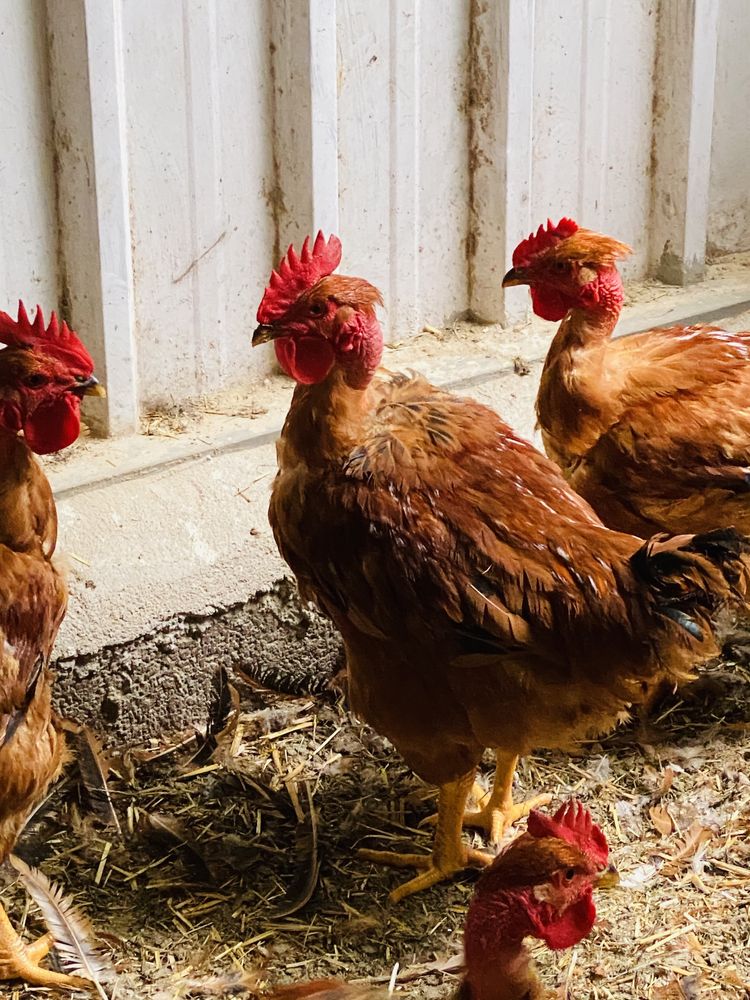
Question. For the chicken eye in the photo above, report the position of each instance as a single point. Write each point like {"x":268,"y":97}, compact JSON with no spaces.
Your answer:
{"x":570,"y":874}
{"x":559,"y":266}
{"x":317,"y":309}
{"x":34,"y":381}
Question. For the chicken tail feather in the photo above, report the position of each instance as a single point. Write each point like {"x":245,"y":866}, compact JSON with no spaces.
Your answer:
{"x":693,"y":576}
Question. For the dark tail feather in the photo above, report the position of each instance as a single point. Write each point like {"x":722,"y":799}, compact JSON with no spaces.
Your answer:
{"x":693,"y":576}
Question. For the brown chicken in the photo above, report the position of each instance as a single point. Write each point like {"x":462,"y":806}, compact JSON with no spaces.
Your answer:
{"x":540,"y":886}
{"x":652,"y":429}
{"x":43,"y":375}
{"x":481,"y":601}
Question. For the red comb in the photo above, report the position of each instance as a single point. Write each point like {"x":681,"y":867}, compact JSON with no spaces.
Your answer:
{"x":56,"y":340}
{"x":295,"y":275}
{"x":542,"y":240}
{"x":572,"y":822}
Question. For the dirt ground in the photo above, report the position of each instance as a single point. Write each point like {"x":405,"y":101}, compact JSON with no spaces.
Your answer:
{"x":217,"y":855}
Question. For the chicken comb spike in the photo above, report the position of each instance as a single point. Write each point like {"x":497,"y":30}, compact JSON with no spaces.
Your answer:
{"x":56,"y":340}
{"x":296,"y":273}
{"x":542,"y":240}
{"x":572,"y":822}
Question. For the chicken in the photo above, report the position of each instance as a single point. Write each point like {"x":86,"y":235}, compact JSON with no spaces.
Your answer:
{"x":540,"y":886}
{"x":652,"y":429}
{"x":481,"y":601}
{"x":43,"y":375}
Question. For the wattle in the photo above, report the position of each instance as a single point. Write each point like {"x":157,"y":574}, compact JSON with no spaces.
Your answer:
{"x":549,"y":304}
{"x":306,"y":359}
{"x":53,"y":426}
{"x":573,"y":926}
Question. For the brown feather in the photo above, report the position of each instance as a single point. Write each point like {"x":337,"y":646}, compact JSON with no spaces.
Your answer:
{"x":586,"y":246}
{"x":32,"y":604}
{"x":94,"y":770}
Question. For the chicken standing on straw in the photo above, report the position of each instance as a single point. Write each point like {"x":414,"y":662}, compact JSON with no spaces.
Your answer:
{"x":44,"y":373}
{"x":481,"y":601}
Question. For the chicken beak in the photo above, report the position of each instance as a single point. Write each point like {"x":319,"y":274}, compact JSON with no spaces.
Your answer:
{"x":264,"y":334}
{"x":516,"y":276}
{"x":608,"y":879}
{"x":91,"y":387}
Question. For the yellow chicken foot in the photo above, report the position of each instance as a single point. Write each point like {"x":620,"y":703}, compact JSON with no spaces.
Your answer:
{"x":40,"y":948}
{"x":497,"y":811}
{"x":21,"y":961}
{"x":449,"y":853}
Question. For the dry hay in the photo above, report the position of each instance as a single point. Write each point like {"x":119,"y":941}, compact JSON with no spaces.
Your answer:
{"x":215,"y":849}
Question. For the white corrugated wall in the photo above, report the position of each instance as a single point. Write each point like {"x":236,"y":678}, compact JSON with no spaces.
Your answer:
{"x":156,"y":158}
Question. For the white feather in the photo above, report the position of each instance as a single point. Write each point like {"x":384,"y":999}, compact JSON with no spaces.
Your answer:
{"x":79,"y":953}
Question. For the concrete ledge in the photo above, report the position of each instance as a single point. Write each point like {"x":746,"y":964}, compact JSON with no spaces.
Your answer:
{"x":173,"y":568}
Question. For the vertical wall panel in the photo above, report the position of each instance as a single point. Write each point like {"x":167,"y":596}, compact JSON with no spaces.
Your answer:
{"x":245,"y":134}
{"x":684,"y":72}
{"x":627,"y":101}
{"x":365,"y":73}
{"x":158,"y":140}
{"x":593,"y":101}
{"x":557,"y":108}
{"x":499,"y":109}
{"x":403,"y":154}
{"x":729,"y":200}
{"x":200,"y":164}
{"x":28,"y":239}
{"x":444,"y":145}
{"x":405,"y":167}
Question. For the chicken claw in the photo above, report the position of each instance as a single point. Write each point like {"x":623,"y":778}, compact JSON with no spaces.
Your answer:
{"x":449,"y":853}
{"x":497,"y":811}
{"x":433,"y":872}
{"x":21,"y":961}
{"x":495,"y":820}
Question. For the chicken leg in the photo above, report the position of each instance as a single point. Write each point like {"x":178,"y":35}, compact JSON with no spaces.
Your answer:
{"x":449,"y":853}
{"x":497,"y":810}
{"x":21,"y":961}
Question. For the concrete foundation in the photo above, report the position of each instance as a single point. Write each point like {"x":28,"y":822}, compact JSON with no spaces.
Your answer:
{"x":161,"y":681}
